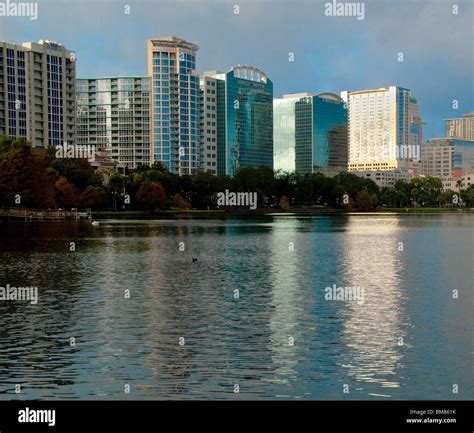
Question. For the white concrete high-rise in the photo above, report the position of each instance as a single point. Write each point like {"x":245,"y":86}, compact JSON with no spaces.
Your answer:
{"x":38,"y":92}
{"x":113,"y":114}
{"x":462,"y":128}
{"x":384,"y":128}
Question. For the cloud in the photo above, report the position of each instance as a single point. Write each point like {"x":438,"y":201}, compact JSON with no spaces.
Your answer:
{"x":331,"y":53}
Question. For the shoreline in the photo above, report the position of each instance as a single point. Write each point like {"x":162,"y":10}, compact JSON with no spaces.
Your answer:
{"x":175,"y":213}
{"x":263,"y":212}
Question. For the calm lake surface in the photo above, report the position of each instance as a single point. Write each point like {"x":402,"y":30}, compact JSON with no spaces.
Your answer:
{"x":280,"y":339}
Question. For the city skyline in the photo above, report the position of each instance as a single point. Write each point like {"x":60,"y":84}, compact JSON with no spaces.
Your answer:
{"x":297,"y":57}
{"x":182,"y":115}
{"x":251,"y":202}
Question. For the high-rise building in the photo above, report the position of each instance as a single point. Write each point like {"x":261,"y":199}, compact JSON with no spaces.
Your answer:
{"x":310,"y":133}
{"x":249,"y":119}
{"x":284,"y":131}
{"x":444,"y":157}
{"x":321,"y":134}
{"x":244,"y":119}
{"x":462,"y":128}
{"x":304,"y":135}
{"x":113,"y":114}
{"x":385,"y":128}
{"x":209,"y":112}
{"x":174,"y":104}
{"x":415,"y":136}
{"x":37,"y":92}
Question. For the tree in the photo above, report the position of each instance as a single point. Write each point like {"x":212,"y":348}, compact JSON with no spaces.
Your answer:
{"x":23,"y":177}
{"x":77,"y":171}
{"x":180,"y":203}
{"x":260,"y":180}
{"x":92,"y":197}
{"x":468,"y":196}
{"x":5,"y":144}
{"x":284,"y":203}
{"x":285,"y":183}
{"x":203,"y":186}
{"x":68,"y":194}
{"x":425,"y":190}
{"x":460,"y":185}
{"x":364,"y":201}
{"x":403,"y":190}
{"x":104,"y":174}
{"x":152,"y":195}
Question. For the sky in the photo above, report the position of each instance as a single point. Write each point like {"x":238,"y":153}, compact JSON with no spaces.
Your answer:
{"x":330,"y":53}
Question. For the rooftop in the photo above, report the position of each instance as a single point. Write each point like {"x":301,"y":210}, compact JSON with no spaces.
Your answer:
{"x":297,"y":95}
{"x":248,"y":72}
{"x":173,"y":42}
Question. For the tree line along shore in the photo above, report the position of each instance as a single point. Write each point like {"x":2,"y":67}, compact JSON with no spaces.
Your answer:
{"x":36,"y":178}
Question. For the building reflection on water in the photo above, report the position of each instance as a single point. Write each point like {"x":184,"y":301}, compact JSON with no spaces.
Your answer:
{"x":372,"y":331}
{"x":280,"y":266}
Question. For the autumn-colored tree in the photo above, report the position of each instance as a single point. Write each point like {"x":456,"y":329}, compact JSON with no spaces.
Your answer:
{"x":23,"y":177}
{"x":43,"y":190}
{"x":363,"y":201}
{"x":16,"y":168}
{"x":180,"y":203}
{"x":284,"y":203}
{"x":151,"y":195}
{"x":68,"y":194}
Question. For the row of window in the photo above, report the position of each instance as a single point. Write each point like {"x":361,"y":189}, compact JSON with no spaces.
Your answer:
{"x":166,"y":55}
{"x":194,"y":111}
{"x":11,"y":71}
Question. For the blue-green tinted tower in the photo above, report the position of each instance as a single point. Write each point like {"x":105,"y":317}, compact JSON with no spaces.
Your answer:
{"x":245,"y":120}
{"x":321,"y":142}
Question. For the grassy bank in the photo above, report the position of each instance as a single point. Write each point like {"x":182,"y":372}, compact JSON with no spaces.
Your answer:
{"x":422,"y":210}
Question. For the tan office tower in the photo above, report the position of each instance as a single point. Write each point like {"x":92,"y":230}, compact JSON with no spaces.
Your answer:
{"x":462,"y":128}
{"x":444,"y":157}
{"x":174,"y":104}
{"x":384,"y":127}
{"x":37,"y":92}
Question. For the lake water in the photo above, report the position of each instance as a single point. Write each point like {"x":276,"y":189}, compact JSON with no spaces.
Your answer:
{"x":251,"y":311}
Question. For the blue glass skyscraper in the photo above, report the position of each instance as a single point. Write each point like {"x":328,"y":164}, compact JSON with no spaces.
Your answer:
{"x":318,"y":128}
{"x":244,"y":119}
